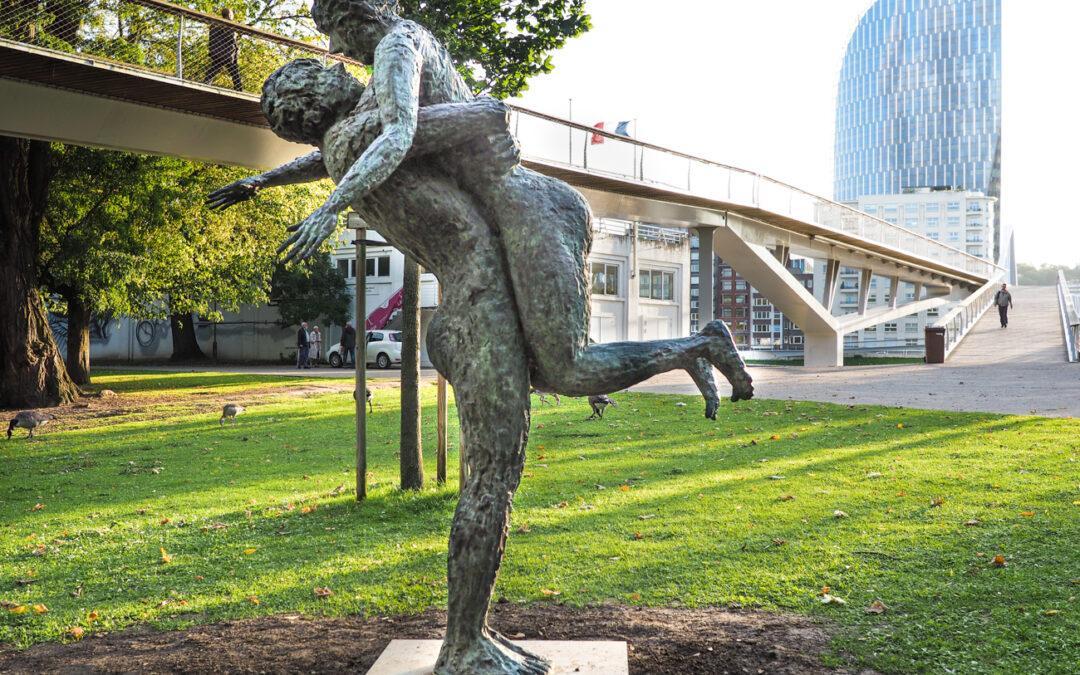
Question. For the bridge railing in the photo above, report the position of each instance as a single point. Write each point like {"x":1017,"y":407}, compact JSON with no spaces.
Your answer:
{"x":1070,"y":320}
{"x":554,"y":140}
{"x":959,"y":321}
{"x":161,"y":37}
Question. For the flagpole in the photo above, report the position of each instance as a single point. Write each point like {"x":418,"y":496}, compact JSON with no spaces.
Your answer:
{"x":570,"y":133}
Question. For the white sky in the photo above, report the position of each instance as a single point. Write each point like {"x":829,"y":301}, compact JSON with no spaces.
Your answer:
{"x":753,"y":84}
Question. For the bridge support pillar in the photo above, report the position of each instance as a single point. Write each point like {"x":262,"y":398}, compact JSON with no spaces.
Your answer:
{"x":706,"y":276}
{"x":823,"y":350}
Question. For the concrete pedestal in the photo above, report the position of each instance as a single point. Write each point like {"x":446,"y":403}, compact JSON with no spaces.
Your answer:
{"x":823,"y":350}
{"x":417,"y":657}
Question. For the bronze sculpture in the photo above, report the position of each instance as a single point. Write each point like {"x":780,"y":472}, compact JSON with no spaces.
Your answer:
{"x":435,"y":171}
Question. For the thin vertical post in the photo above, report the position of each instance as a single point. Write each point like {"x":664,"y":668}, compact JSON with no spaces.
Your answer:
{"x":570,"y":133}
{"x":463,"y":463}
{"x":412,"y":458}
{"x":360,"y":359}
{"x":180,"y":47}
{"x":440,"y":421}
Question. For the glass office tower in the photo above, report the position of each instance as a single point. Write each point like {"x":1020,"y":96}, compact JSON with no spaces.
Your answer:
{"x":919,"y":101}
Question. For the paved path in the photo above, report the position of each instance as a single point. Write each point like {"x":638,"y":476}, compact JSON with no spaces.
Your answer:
{"x":1020,"y":369}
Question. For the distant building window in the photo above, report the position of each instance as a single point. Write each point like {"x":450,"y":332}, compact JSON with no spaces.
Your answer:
{"x":725,"y":299}
{"x":725,"y":313}
{"x":932,"y":222}
{"x":740,"y":285}
{"x":605,"y":279}
{"x":953,"y":206}
{"x":762,"y":315}
{"x":796,"y":339}
{"x":740,"y":312}
{"x":343,"y":268}
{"x":911,"y":342}
{"x":890,"y":328}
{"x":761,"y":302}
{"x":911,"y":223}
{"x":656,"y":285}
{"x":740,"y":299}
{"x":727,"y":285}
{"x":911,"y":327}
{"x":933,"y":207}
{"x":727,"y":273}
{"x":378,"y":266}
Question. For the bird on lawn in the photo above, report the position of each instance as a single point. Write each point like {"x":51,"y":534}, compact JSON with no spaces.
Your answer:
{"x":371,"y":408}
{"x":29,"y":420}
{"x":598,"y":404}
{"x":544,"y":394}
{"x":230,"y":411}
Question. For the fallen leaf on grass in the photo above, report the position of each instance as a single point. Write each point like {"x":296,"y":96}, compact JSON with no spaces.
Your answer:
{"x":936,"y":502}
{"x":999,"y":561}
{"x":646,"y":516}
{"x":635,"y":597}
{"x":166,"y":521}
{"x":549,"y":592}
{"x":19,"y":609}
{"x":165,"y":557}
{"x":92,"y":616}
{"x":900,"y":425}
{"x":323,"y":592}
{"x":874,"y":474}
{"x":40,"y":609}
{"x":37,"y":507}
{"x":779,"y":542}
{"x":624,"y":488}
{"x":972,"y":523}
{"x":1027,"y":514}
{"x":876,"y":607}
{"x":638,"y":536}
{"x":839,"y":514}
{"x":309,"y":509}
{"x":786,"y":498}
{"x":774,"y":437}
{"x":523,"y":528}
{"x":249,"y":551}
{"x":253,"y":599}
{"x":76,"y":632}
{"x":827,"y":599}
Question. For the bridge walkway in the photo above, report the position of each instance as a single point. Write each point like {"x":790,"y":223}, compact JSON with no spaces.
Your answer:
{"x":1016,"y":370}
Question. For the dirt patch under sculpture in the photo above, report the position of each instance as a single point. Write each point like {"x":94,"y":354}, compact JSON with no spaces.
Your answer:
{"x":661,"y":641}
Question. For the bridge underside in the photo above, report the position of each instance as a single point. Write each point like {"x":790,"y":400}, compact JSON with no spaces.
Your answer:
{"x":83,"y":101}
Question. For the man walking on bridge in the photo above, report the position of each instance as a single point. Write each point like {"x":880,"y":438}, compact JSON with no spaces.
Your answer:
{"x":1003,"y":300}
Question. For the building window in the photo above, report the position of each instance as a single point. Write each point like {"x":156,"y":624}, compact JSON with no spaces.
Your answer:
{"x":727,"y":273}
{"x":762,"y":315}
{"x":911,"y":327}
{"x":953,"y":206}
{"x":740,"y":299}
{"x":933,"y":207}
{"x":911,"y":342}
{"x":761,"y":302}
{"x":795,"y":339}
{"x":345,"y":269}
{"x":378,"y":266}
{"x":605,"y":279}
{"x":740,"y":285}
{"x":890,"y":328}
{"x":932,"y":222}
{"x":656,"y":285}
{"x":725,"y":299}
{"x":726,"y":285}
{"x":725,"y":313}
{"x":740,"y":312}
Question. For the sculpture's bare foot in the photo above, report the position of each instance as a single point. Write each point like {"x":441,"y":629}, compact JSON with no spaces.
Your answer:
{"x":490,"y":654}
{"x":723,"y":354}
{"x":702,"y":374}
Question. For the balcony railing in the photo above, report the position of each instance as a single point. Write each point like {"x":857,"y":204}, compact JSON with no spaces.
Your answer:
{"x":963,"y":317}
{"x":1070,"y":320}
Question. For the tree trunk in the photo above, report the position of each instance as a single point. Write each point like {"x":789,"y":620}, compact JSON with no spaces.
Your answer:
{"x":32,"y":372}
{"x":78,"y":341}
{"x":412,"y":459}
{"x":185,"y":346}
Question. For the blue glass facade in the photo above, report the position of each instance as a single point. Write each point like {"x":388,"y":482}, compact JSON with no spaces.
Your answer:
{"x":919,"y":100}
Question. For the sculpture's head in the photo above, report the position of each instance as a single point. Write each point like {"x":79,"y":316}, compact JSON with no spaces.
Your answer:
{"x":355,"y":27}
{"x":302,"y":99}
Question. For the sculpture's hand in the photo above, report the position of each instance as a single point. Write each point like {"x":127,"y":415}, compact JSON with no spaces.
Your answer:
{"x":308,"y":235}
{"x":234,"y":193}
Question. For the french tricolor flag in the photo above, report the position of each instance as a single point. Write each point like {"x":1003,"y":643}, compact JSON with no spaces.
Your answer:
{"x":621,"y":129}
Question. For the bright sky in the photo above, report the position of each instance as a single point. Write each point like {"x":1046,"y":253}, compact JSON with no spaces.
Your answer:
{"x":753,"y":84}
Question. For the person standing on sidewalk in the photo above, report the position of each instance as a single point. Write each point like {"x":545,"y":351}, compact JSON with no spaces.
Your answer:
{"x":348,"y":344}
{"x":1003,"y":300}
{"x":316,"y":346}
{"x":302,"y":346}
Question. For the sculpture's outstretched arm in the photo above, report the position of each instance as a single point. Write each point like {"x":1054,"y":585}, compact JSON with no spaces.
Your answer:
{"x":397,"y":85}
{"x":306,"y":169}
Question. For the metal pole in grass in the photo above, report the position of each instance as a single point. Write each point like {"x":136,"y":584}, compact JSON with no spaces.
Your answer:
{"x":360,"y":359}
{"x":440,"y":422}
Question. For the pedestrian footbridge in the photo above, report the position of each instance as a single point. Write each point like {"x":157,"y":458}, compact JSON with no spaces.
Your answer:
{"x":135,"y":75}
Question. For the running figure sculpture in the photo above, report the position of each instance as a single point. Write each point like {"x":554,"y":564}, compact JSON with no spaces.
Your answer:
{"x":435,"y":171}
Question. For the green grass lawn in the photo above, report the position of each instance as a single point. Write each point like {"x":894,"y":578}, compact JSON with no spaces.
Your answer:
{"x":654,"y":505}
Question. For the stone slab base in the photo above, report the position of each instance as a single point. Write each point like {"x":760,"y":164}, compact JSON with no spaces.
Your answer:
{"x":417,"y":657}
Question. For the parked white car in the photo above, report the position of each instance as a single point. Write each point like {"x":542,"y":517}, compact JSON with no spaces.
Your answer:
{"x":383,"y":349}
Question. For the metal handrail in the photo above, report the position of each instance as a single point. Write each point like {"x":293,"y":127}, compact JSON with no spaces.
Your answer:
{"x":1070,"y":319}
{"x":973,"y":263}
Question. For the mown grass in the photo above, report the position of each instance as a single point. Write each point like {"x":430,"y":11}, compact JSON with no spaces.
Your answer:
{"x":654,"y":505}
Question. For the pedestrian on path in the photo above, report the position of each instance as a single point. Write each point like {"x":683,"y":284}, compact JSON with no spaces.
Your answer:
{"x":224,"y":52}
{"x":316,"y":345}
{"x":1003,"y":300}
{"x":348,"y":344}
{"x":302,"y":345}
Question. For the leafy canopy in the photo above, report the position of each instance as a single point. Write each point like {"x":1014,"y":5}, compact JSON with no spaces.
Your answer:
{"x":500,"y":44}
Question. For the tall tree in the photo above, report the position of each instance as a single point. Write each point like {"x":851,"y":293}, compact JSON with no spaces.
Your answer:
{"x":32,"y":373}
{"x":500,"y":44}
{"x":312,"y":290}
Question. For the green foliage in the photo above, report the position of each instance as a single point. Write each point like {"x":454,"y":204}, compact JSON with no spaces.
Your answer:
{"x":500,"y":44}
{"x":652,"y":506}
{"x":129,"y":234}
{"x":1044,"y":275}
{"x":312,"y":290}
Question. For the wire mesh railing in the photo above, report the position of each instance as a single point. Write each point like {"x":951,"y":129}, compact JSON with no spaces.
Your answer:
{"x":160,"y":37}
{"x":553,"y":140}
